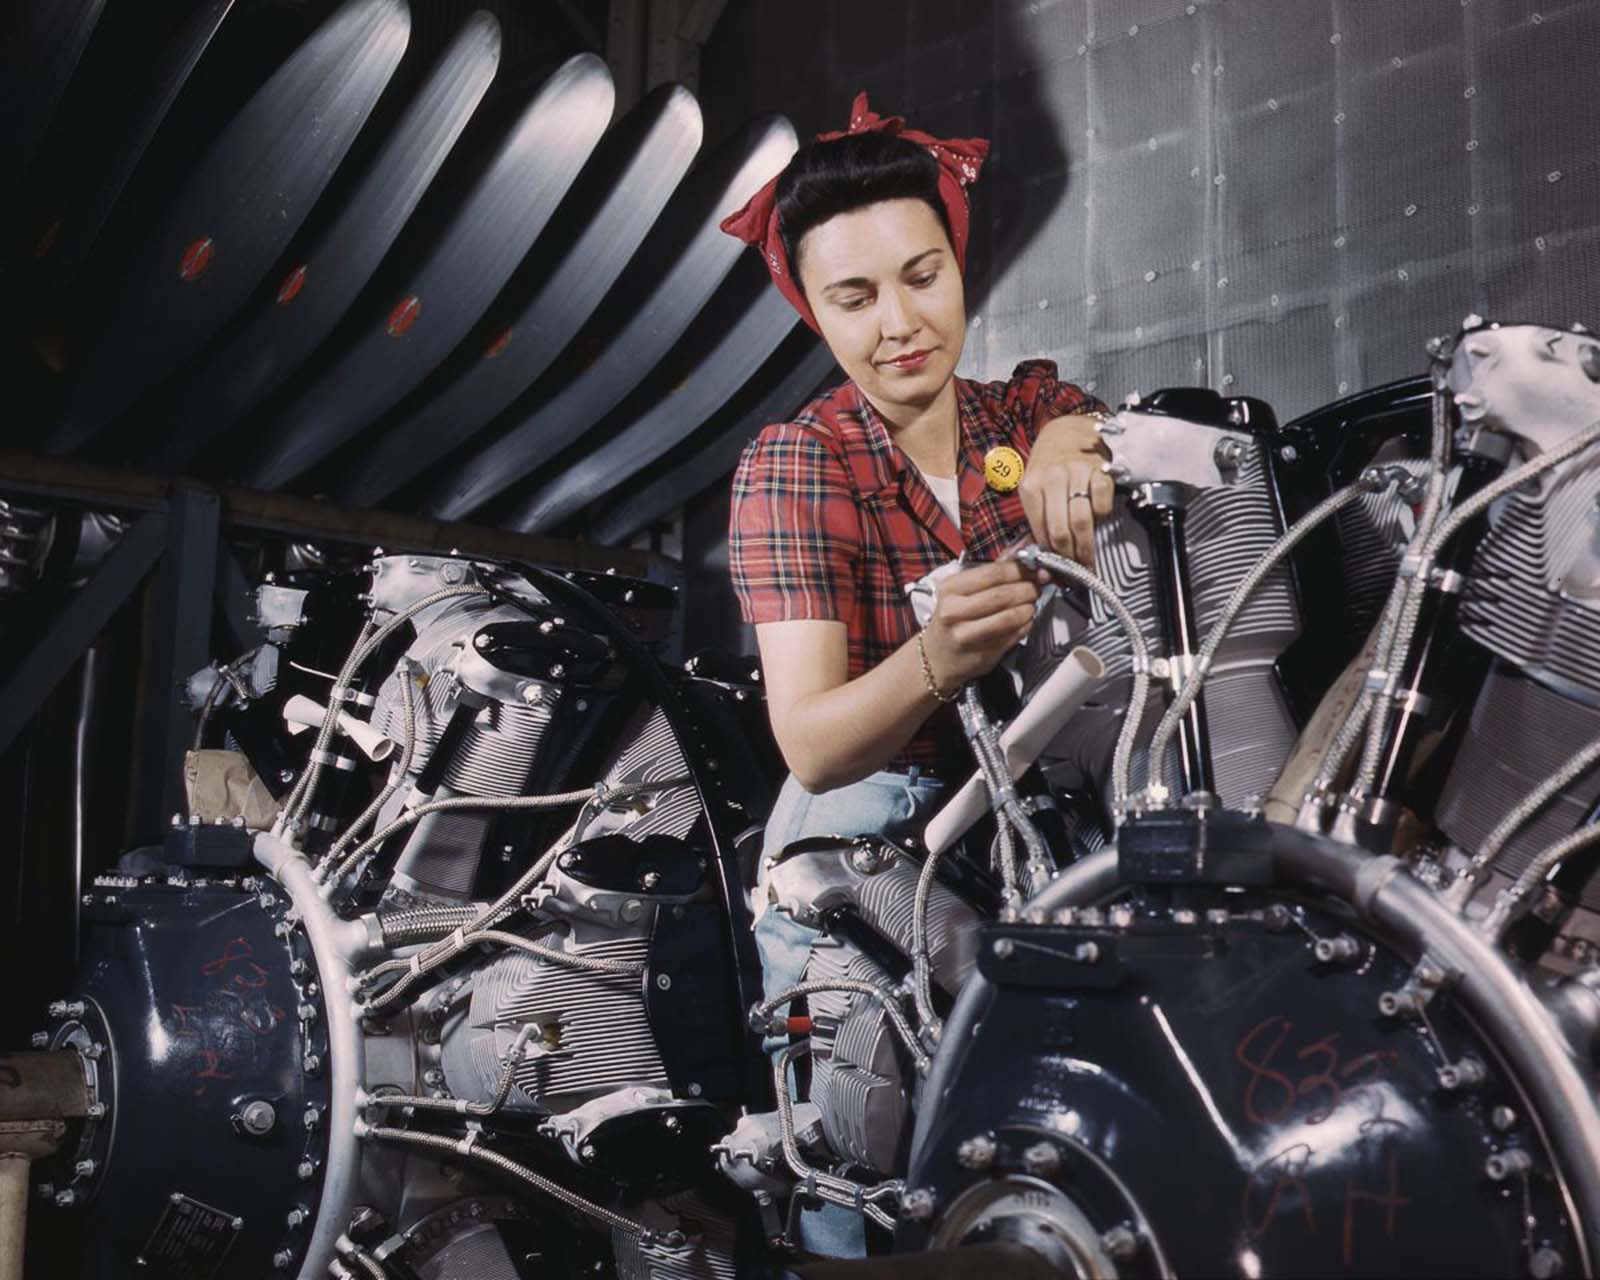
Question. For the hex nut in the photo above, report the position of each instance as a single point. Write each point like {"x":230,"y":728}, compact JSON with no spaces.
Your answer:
{"x":976,"y":1152}
{"x":1042,"y":1159}
{"x":258,"y":1117}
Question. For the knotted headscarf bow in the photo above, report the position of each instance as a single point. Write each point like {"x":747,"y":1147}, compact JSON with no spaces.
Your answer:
{"x":959,"y":161}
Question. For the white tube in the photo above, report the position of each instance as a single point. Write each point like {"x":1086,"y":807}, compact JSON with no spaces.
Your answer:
{"x":302,"y":713}
{"x":1056,"y":700}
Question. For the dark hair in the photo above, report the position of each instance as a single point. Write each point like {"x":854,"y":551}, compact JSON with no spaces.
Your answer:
{"x":825,"y":179}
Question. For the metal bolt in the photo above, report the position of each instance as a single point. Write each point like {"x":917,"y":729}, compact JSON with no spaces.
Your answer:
{"x":533,"y":694}
{"x":671,"y":1124}
{"x":1545,"y":1264}
{"x":95,"y":1110}
{"x":1289,"y":453}
{"x":1462,"y":1074}
{"x":557,"y":671}
{"x":482,"y":640}
{"x":664,"y":981}
{"x":917,"y":1205}
{"x":66,"y":1009}
{"x":313,"y":1064}
{"x":1042,"y":1159}
{"x":1340,"y":947}
{"x":586,"y":1152}
{"x":258,"y":1117}
{"x":306,"y":1170}
{"x":1003,"y":948}
{"x":282,"y":1259}
{"x":650,"y":879}
{"x":40,"y":1040}
{"x":1507,"y":1164}
{"x":93,"y":1051}
{"x":311,"y":1117}
{"x":66,"y":1199}
{"x":976,"y":1152}
{"x":298,"y":968}
{"x":307,"y":1012}
{"x":1392,"y":1004}
{"x":1120,"y":1243}
{"x":237,"y":1224}
{"x":296,"y":1216}
{"x":433,"y":1076}
{"x":1503,"y":1118}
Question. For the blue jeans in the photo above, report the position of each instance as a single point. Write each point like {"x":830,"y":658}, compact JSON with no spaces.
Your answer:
{"x":880,"y":804}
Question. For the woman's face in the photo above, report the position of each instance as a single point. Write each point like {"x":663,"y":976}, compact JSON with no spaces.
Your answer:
{"x":883,"y":284}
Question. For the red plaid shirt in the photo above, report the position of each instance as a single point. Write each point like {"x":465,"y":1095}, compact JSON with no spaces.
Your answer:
{"x":831,"y":520}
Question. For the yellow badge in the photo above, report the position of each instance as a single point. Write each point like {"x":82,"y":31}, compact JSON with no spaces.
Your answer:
{"x":1002,"y":468}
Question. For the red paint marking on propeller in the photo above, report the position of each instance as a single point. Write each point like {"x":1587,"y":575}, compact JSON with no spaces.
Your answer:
{"x":403,"y":316}
{"x":497,"y":344}
{"x":196,"y":259}
{"x":289,"y":290}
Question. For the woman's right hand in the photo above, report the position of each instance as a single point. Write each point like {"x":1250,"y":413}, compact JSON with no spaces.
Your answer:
{"x":979,"y":615}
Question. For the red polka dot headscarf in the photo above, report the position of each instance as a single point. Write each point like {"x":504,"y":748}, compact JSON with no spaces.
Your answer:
{"x":959,"y":161}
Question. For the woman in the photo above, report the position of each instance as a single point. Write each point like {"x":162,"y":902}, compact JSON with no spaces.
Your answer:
{"x":897,"y":472}
{"x":878,"y":484}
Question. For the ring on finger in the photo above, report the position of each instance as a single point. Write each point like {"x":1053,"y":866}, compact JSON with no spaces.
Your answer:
{"x":1077,"y":493}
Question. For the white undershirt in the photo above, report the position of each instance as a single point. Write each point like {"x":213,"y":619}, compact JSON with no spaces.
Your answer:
{"x":947,"y":489}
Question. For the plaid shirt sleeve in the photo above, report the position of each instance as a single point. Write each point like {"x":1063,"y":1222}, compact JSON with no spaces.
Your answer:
{"x":1036,"y":395}
{"x":794,"y":536}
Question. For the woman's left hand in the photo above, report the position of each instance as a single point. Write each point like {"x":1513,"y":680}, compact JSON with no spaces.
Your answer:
{"x":1064,"y":488}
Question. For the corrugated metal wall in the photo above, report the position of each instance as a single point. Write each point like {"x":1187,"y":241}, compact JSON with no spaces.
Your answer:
{"x":1281,"y":198}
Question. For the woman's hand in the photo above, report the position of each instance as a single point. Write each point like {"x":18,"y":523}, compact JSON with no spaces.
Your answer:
{"x":980,"y":613}
{"x":1064,"y":490}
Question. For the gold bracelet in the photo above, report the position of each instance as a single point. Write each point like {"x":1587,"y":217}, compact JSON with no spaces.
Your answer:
{"x":927,"y":670}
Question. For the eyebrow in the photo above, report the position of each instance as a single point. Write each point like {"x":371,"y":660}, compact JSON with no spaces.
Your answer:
{"x":857,"y":282}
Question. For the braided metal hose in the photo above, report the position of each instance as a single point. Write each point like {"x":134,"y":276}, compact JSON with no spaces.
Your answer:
{"x":332,"y":870}
{"x":884,"y":998}
{"x":366,"y":644}
{"x":1031,"y":558}
{"x":461,"y":1106}
{"x":1570,"y":772}
{"x":501,"y":907}
{"x":1431,"y":547}
{"x":467,"y":1149}
{"x":422,"y":924}
{"x":1515,"y":900}
{"x":818,"y":1182}
{"x":1287,"y":541}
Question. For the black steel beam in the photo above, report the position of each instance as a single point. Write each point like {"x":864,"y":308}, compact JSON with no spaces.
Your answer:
{"x":180,"y":644}
{"x":66,"y":639}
